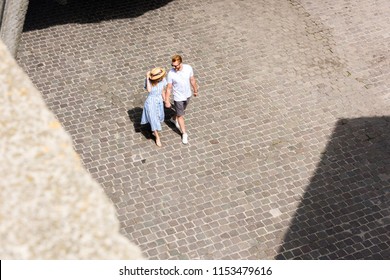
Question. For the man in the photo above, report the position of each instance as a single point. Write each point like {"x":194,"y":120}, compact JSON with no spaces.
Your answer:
{"x":180,"y":80}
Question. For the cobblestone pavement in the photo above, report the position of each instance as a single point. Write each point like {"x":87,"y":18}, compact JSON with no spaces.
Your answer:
{"x":289,"y":139}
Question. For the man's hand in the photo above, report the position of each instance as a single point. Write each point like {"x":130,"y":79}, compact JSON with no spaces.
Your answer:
{"x":195,"y":93}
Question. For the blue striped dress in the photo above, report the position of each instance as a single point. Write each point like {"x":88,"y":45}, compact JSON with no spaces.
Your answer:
{"x":153,"y":112}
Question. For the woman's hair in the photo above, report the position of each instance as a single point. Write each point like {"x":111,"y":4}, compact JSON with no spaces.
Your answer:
{"x":177,"y":57}
{"x":155,"y":82}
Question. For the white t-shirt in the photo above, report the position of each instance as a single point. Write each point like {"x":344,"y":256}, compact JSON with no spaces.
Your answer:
{"x":180,"y":80}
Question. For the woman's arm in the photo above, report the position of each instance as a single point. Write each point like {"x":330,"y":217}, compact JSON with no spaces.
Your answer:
{"x":148,"y":84}
{"x":164,"y":93}
{"x":167,"y":98}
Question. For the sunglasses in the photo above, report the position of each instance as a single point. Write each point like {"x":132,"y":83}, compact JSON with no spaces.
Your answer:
{"x":175,"y":65}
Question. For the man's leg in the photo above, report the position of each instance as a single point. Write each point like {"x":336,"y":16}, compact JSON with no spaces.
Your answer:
{"x":173,"y":120}
{"x":180,"y":120}
{"x":184,"y":135}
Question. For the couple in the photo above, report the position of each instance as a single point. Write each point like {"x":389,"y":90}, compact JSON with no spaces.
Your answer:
{"x":179,"y":81}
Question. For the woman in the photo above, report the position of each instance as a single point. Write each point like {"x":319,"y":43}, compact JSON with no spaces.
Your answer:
{"x":153,"y":112}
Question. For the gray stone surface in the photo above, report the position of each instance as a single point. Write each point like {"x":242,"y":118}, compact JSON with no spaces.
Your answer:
{"x":12,"y":15}
{"x":50,"y":208}
{"x":288,"y":153}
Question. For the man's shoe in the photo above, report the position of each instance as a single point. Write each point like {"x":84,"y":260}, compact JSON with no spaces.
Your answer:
{"x":185,"y":138}
{"x":175,"y":122}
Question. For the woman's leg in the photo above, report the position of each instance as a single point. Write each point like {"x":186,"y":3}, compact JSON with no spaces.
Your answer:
{"x":158,"y":141}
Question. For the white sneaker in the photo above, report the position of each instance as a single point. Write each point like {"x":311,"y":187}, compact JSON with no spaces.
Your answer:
{"x":175,"y":122}
{"x":185,"y":138}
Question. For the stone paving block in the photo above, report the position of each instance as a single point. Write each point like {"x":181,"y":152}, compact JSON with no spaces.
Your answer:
{"x":287,"y":153}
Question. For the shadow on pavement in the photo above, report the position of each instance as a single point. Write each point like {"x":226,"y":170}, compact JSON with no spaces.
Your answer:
{"x":169,"y":113}
{"x":345,"y":211}
{"x":135,"y":117}
{"x":84,"y":11}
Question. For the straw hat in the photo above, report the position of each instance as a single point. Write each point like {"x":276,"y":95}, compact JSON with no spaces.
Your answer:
{"x":157,"y":73}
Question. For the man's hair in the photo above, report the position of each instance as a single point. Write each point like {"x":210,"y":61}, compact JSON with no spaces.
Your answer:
{"x":177,"y":57}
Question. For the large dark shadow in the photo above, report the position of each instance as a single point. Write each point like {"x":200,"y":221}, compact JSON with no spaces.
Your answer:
{"x":345,"y":211}
{"x":45,"y":13}
{"x":135,"y":117}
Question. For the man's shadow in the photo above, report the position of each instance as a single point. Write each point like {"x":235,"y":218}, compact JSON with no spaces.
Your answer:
{"x":135,"y":115}
{"x":169,"y":113}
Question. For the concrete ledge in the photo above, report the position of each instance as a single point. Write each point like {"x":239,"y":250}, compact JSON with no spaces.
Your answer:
{"x":12,"y":15}
{"x":50,"y":207}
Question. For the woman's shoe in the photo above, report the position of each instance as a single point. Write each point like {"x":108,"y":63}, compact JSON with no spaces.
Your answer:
{"x":158,"y":142}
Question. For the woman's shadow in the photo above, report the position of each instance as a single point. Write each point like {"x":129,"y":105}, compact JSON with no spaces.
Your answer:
{"x":135,"y":117}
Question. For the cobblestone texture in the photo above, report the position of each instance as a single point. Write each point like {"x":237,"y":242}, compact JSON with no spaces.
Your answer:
{"x":289,"y":138}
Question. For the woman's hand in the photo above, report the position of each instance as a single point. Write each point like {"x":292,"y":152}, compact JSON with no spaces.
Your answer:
{"x":148,"y":75}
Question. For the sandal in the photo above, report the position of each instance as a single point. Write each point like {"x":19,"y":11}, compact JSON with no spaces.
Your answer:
{"x":158,"y":143}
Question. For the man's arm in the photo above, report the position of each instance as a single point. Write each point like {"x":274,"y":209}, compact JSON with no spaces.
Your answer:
{"x":194,"y":86}
{"x":167,"y":99}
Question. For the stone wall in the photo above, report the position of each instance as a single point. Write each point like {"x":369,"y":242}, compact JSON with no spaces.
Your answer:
{"x":50,"y":207}
{"x":12,"y":15}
